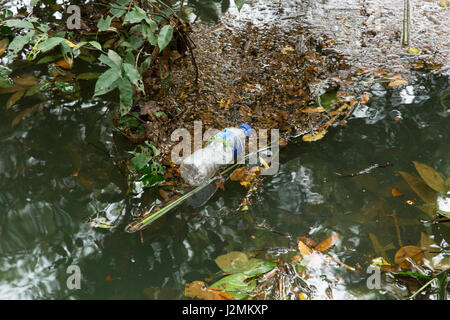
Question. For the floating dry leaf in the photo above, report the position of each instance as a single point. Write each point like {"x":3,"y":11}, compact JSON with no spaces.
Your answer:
{"x":420,"y":188}
{"x":327,"y":243}
{"x":314,"y":136}
{"x":413,"y":50}
{"x":304,"y":249}
{"x":246,"y":181}
{"x":430,"y":176}
{"x":198,"y":289}
{"x":428,"y":246}
{"x":238,"y":174}
{"x":398,"y":82}
{"x":313,"y":110}
{"x":414,"y":253}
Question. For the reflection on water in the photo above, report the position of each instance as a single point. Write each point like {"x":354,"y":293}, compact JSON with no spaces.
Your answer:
{"x":57,"y":169}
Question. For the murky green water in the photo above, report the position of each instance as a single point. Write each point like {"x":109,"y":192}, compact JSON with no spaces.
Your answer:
{"x":56,"y":170}
{"x":58,"y":167}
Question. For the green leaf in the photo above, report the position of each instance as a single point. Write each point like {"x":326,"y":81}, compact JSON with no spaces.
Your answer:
{"x":110,"y":63}
{"x":5,"y":81}
{"x":135,"y":15}
{"x":235,"y":285}
{"x":114,"y":56}
{"x":47,"y":59}
{"x":420,"y":188}
{"x":430,"y":176}
{"x":106,"y":82}
{"x":133,"y":75}
{"x":443,"y":282}
{"x":37,"y":88}
{"x":328,"y":100}
{"x":259,"y":267}
{"x":19,"y":23}
{"x":20,"y":41}
{"x":126,"y":96}
{"x":165,"y":36}
{"x":148,"y":31}
{"x":96,"y":45}
{"x":49,"y":44}
{"x":103,"y":24}
{"x":412,"y":274}
{"x":239,"y":4}
{"x":140,"y":160}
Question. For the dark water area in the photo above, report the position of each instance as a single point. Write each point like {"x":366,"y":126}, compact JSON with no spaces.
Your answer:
{"x":58,"y":167}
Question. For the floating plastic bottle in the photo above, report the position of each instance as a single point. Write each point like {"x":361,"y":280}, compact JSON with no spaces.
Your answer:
{"x":222,"y":149}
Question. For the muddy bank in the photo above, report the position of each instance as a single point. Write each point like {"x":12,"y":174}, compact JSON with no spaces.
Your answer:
{"x":267,"y":63}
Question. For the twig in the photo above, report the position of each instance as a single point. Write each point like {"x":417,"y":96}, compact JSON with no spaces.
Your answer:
{"x":397,"y":228}
{"x":405,"y":35}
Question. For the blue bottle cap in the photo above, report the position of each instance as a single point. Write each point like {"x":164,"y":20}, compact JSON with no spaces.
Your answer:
{"x":247,"y":129}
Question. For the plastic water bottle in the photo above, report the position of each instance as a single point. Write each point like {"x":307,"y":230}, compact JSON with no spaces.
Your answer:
{"x":221,"y":149}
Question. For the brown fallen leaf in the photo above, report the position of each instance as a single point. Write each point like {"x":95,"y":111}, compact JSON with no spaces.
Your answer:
{"x":198,"y":289}
{"x":432,"y":178}
{"x":313,"y":110}
{"x":246,"y":181}
{"x":314,"y":136}
{"x":238,"y":174}
{"x":398,"y":82}
{"x":65,"y":64}
{"x":327,"y":243}
{"x":414,"y":253}
{"x":364,"y":98}
{"x":304,"y":249}
{"x":287,"y":49}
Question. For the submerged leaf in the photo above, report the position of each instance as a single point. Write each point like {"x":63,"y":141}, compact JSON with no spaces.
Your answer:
{"x":420,"y":188}
{"x":414,"y":253}
{"x":232,"y":261}
{"x":198,"y":289}
{"x":314,"y":136}
{"x":327,"y":243}
{"x":430,"y":176}
{"x":304,"y":249}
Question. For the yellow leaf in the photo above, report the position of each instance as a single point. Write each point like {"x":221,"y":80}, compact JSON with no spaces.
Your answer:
{"x":327,"y":243}
{"x":313,"y":110}
{"x":238,"y":174}
{"x":301,"y":296}
{"x":444,"y":3}
{"x":314,"y":137}
{"x":287,"y":49}
{"x":304,"y":249}
{"x":71,"y":44}
{"x":198,"y":289}
{"x":413,"y":50}
{"x":397,"y":83}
